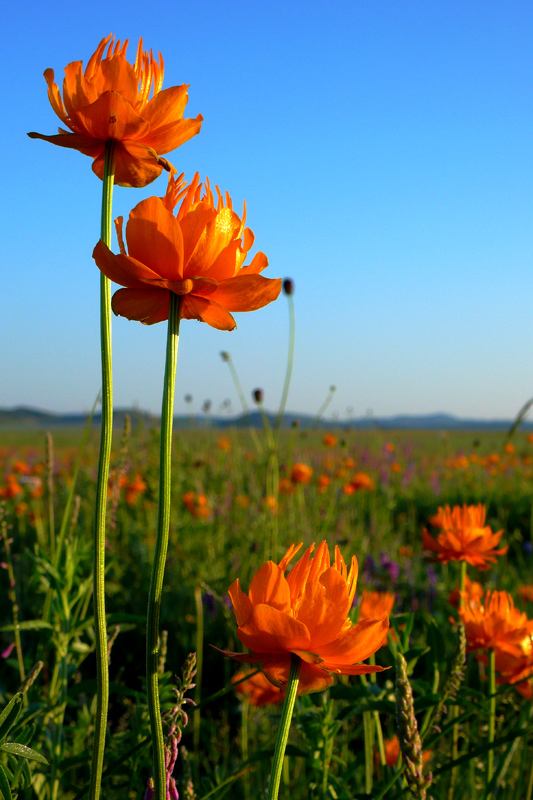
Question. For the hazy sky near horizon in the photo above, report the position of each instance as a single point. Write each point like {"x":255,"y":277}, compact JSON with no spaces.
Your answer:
{"x":385,"y":153}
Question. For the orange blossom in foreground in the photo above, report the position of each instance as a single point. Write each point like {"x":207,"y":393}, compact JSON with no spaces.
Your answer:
{"x":198,"y":254}
{"x":305,"y":613}
{"x":464,"y":536}
{"x":113,"y":100}
{"x":257,"y":690}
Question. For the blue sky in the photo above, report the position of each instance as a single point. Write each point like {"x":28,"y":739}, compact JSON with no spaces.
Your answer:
{"x":385,"y":153}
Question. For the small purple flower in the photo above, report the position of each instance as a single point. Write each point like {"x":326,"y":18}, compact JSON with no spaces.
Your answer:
{"x":392,"y":567}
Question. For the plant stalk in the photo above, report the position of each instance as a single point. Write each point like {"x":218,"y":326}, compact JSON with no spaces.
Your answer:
{"x":284,"y":727}
{"x":106,"y":432}
{"x":160,"y":555}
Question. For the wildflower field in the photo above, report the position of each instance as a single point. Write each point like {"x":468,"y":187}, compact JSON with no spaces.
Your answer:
{"x":246,"y":612}
{"x":372,"y":495}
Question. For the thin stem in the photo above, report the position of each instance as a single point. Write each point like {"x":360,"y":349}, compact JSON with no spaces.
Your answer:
{"x":160,"y":555}
{"x":284,"y":727}
{"x":290,"y":361}
{"x":492,"y":716}
{"x":106,"y":432}
{"x":368,"y":732}
{"x":199,"y":665}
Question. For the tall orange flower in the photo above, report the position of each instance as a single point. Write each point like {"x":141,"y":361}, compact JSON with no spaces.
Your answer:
{"x":198,"y":254}
{"x":305,"y":613}
{"x":464,"y":536}
{"x":113,"y":100}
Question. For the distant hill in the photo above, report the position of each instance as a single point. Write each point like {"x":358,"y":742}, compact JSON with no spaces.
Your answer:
{"x":23,"y":417}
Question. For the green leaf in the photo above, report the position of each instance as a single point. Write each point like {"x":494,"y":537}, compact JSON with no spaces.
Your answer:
{"x":23,"y":751}
{"x":9,"y":715}
{"x":5,"y":791}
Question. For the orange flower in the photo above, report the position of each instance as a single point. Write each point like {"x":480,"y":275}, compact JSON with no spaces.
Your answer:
{"x":301,"y":473}
{"x":323,"y":482}
{"x":197,"y":254}
{"x":257,"y":690}
{"x":525,"y":592}
{"x":464,"y":536}
{"x":329,"y":440}
{"x":134,"y":488}
{"x":360,"y":481}
{"x":110,"y":101}
{"x":473,"y":593}
{"x":376,"y":604}
{"x":305,"y":614}
{"x":197,"y":505}
{"x":496,"y":624}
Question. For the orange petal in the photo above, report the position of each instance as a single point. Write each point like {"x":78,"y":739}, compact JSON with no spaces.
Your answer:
{"x":324,"y":607}
{"x":246,"y":292}
{"x":270,"y":586}
{"x":135,"y":164}
{"x":144,"y":305}
{"x":154,"y":238}
{"x":242,"y":606}
{"x":166,"y":108}
{"x":359,"y":642}
{"x":86,"y":145}
{"x":171,"y":136}
{"x":193,"y":307}
{"x":272,"y":631}
{"x":123,"y":269}
{"x":111,"y":117}
{"x":258,"y":263}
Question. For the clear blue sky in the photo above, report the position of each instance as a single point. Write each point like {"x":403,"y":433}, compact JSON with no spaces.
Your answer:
{"x":385,"y":152}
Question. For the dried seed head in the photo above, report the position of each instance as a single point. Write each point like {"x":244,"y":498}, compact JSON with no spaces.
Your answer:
{"x":224,"y":355}
{"x":410,"y":743}
{"x":258,"y":395}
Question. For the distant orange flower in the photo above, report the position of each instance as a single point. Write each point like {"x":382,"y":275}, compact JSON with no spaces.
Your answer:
{"x":361,"y":481}
{"x":258,"y":690}
{"x":473,"y":593}
{"x":496,"y":624}
{"x":329,"y":440}
{"x":224,"y":444}
{"x":110,"y":101}
{"x":376,"y":604}
{"x":135,"y":488}
{"x":286,"y":486}
{"x":197,"y":254}
{"x":12,"y":487}
{"x":197,"y":505}
{"x":525,"y":592}
{"x":323,"y":482}
{"x":271,"y":504}
{"x":464,"y":536}
{"x":306,"y":614}
{"x":301,"y":473}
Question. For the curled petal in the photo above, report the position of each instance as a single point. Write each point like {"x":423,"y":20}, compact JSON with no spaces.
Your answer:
{"x":144,"y":305}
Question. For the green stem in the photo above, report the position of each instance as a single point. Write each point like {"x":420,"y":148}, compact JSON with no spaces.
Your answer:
{"x":492,"y":716}
{"x":102,"y":659}
{"x":160,"y":555}
{"x":290,"y":361}
{"x":284,"y":727}
{"x":462,"y":581}
{"x":368,"y":732}
{"x":199,"y":666}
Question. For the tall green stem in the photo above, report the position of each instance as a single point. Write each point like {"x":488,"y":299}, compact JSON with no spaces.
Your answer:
{"x":102,"y":660}
{"x":290,"y":361}
{"x":160,"y":555}
{"x":284,"y":727}
{"x":492,"y":716}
